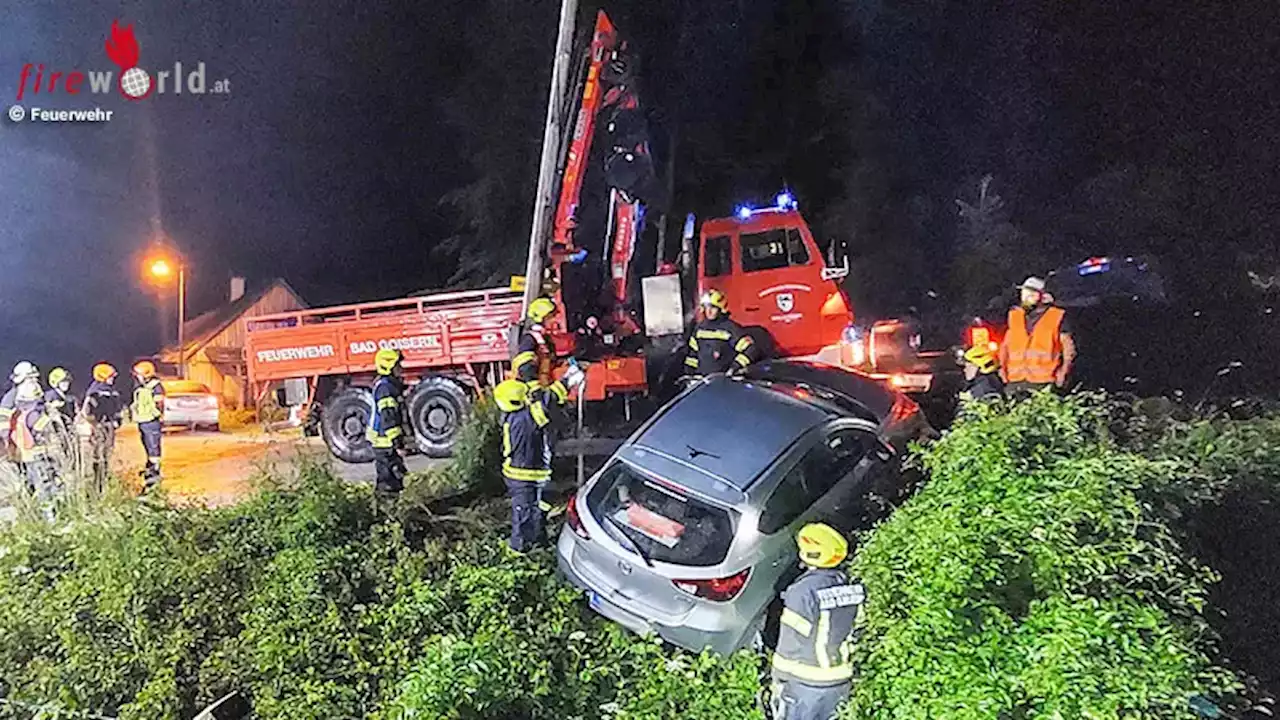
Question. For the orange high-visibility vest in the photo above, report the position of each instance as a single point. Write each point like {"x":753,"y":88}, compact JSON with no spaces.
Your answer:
{"x":1036,"y":356}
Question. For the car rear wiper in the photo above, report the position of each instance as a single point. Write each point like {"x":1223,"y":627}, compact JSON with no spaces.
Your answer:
{"x":634,"y":545}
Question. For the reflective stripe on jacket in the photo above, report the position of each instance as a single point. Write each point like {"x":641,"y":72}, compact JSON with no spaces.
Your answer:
{"x":386,"y":422}
{"x":717,"y":345}
{"x":146,"y":407}
{"x":820,"y":612}
{"x":526,"y":440}
{"x":1034,"y":357}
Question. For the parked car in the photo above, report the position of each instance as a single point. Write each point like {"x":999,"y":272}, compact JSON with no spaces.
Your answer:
{"x":189,"y":403}
{"x":688,"y":530}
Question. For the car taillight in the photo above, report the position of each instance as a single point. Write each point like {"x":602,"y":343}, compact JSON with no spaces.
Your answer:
{"x":571,"y":516}
{"x":717,"y":589}
{"x":211,"y":400}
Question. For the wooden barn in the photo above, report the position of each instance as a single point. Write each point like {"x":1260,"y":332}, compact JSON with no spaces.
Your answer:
{"x":214,"y":341}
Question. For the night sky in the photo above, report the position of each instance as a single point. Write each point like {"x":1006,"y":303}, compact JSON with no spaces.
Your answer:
{"x":364,"y":147}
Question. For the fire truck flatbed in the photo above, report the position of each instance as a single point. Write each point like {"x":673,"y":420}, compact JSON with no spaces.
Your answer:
{"x":454,"y":329}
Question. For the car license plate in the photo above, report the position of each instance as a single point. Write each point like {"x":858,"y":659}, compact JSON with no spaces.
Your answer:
{"x":593,"y":600}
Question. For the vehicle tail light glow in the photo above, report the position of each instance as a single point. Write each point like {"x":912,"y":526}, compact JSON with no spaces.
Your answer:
{"x":211,"y":400}
{"x":574,"y":520}
{"x":715,"y":589}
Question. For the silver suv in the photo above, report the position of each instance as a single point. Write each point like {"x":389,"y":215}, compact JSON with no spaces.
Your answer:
{"x":688,"y":530}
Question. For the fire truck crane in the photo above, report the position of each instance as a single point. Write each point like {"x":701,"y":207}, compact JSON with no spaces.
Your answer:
{"x":456,"y":344}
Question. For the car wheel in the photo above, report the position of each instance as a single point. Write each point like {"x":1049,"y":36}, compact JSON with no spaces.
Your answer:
{"x":343,"y":426}
{"x":438,"y":407}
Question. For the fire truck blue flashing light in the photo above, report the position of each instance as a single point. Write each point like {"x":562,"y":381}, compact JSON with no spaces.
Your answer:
{"x":744,"y":212}
{"x":785,"y":200}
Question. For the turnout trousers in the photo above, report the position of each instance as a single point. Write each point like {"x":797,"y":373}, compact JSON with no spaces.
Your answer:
{"x":102,"y":443}
{"x":527,"y":518}
{"x":793,"y":700}
{"x":389,"y":472}
{"x":151,"y":432}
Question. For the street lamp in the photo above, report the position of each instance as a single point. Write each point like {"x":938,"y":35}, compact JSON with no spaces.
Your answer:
{"x":160,"y":270}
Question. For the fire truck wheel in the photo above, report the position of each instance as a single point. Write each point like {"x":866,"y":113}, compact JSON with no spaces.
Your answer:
{"x":437,"y":408}
{"x":343,"y":423}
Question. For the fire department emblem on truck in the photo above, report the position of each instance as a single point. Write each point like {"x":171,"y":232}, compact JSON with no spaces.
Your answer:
{"x":786,"y":302}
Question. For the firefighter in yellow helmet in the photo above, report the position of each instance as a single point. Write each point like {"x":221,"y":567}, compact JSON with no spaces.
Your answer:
{"x":981,"y":373}
{"x":147,"y":410}
{"x":58,"y":398}
{"x":387,"y":428}
{"x":718,"y":344}
{"x":527,"y":451}
{"x":535,"y":352}
{"x":103,"y":407}
{"x":821,"y":612}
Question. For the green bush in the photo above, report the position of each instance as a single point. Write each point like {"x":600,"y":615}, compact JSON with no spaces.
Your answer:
{"x":476,"y":463}
{"x":1042,"y":572}
{"x":302,"y":601}
{"x":1035,"y":576}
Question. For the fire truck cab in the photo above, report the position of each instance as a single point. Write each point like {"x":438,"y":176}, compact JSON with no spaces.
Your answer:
{"x":770,"y":268}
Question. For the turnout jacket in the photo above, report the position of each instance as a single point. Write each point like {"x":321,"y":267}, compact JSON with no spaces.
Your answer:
{"x":102,"y":403}
{"x":386,"y":420}
{"x":821,"y":611}
{"x":64,"y":404}
{"x":526,"y":436}
{"x":717,"y":345}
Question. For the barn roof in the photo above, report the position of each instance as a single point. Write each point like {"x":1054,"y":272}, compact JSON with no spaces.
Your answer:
{"x":199,"y":330}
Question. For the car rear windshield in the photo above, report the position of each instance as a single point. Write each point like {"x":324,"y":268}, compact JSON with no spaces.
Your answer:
{"x":663,"y":523}
{"x":186,"y":387}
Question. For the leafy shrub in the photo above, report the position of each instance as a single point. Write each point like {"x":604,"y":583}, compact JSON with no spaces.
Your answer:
{"x":299,"y":599}
{"x":476,"y":464}
{"x":1033,"y":577}
{"x":1038,"y":574}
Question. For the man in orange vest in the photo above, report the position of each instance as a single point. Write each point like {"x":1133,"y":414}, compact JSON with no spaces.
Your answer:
{"x":1038,"y":350}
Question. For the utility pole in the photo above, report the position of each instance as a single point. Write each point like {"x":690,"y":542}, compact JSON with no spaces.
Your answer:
{"x":556,"y":108}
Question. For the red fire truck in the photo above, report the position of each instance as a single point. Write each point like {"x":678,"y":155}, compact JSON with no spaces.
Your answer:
{"x":766,"y":260}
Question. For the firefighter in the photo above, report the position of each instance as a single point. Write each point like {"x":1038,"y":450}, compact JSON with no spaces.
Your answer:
{"x":29,"y":429}
{"x":1038,"y":349}
{"x":58,"y":398}
{"x":718,"y":344}
{"x":147,"y":411}
{"x":102,"y":407}
{"x":981,"y":374}
{"x":821,"y":610}
{"x":535,"y":352}
{"x":527,"y":451}
{"x":387,"y":427}
{"x":22,"y":372}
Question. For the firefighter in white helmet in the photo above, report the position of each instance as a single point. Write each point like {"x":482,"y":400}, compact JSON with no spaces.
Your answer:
{"x":29,"y":429}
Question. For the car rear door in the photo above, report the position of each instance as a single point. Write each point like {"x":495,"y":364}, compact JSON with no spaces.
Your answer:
{"x":656,"y":533}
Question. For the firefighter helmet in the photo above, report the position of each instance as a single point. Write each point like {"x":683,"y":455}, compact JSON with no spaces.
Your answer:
{"x":386,"y":360}
{"x":24,"y":371}
{"x":541,"y":309}
{"x":715,"y":299}
{"x":145,"y":369}
{"x":102,"y":372}
{"x":983,"y":357}
{"x":821,"y":545}
{"x":58,"y":375}
{"x":510,"y":395}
